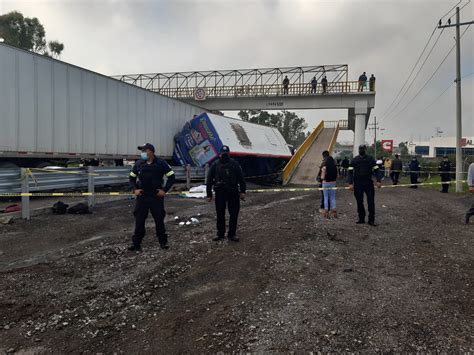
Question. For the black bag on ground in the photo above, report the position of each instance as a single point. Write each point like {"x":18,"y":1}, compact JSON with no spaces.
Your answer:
{"x":80,"y":208}
{"x":60,"y":208}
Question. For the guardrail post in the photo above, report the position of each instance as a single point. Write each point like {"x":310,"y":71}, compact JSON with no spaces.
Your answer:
{"x":206,"y":171}
{"x":188,"y":176}
{"x":25,"y":188}
{"x":90,"y":186}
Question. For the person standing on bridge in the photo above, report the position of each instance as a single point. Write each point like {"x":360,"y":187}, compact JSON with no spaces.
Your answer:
{"x":372,"y":83}
{"x":362,"y":82}
{"x":227,"y":179}
{"x":324,"y":84}
{"x":146,"y":179}
{"x":445,"y":173}
{"x":314,"y":85}
{"x":361,"y":170}
{"x":286,"y":82}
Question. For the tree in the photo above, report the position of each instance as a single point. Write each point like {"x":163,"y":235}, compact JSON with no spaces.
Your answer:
{"x":381,"y":154}
{"x":292,"y":127}
{"x":403,"y":149}
{"x":55,"y":48}
{"x":27,"y":33}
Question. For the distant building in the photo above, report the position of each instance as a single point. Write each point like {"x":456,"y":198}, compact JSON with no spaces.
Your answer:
{"x":436,"y":147}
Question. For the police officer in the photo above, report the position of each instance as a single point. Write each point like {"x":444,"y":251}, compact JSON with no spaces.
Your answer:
{"x":414,"y":171}
{"x":226,"y":176}
{"x":445,"y":169}
{"x":396,"y":169}
{"x":146,"y":179}
{"x":360,"y":172}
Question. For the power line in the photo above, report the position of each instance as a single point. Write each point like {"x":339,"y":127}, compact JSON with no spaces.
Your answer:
{"x":444,"y":91}
{"x":447,"y":13}
{"x":459,"y":9}
{"x":414,"y":78}
{"x":438,"y":97}
{"x":416,"y":63}
{"x":411,"y":72}
{"x":431,"y":77}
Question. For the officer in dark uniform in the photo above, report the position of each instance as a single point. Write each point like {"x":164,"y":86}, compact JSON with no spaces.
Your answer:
{"x":226,"y":176}
{"x":360,"y":172}
{"x":146,"y":179}
{"x":414,"y":172}
{"x":445,"y":169}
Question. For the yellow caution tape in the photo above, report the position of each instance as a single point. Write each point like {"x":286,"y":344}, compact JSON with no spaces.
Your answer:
{"x":291,"y":189}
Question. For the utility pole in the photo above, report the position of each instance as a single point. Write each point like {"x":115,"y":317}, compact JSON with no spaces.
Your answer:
{"x":375,"y":127}
{"x":458,"y":25}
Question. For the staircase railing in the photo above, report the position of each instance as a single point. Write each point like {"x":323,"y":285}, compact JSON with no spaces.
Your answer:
{"x":300,"y":153}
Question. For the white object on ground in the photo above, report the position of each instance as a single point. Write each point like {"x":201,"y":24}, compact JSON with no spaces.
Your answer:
{"x":196,"y":192}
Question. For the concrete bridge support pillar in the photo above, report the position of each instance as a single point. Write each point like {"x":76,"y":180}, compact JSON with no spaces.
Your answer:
{"x":359,"y":129}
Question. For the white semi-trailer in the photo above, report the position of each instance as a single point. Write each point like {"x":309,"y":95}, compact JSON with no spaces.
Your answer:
{"x":52,"y":112}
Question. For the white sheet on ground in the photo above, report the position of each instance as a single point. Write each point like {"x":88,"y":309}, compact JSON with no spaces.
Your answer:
{"x":196,"y":192}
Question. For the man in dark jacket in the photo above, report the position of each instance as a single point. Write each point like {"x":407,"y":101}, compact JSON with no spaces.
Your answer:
{"x":414,"y":171}
{"x":324,"y":84}
{"x":445,"y":173}
{"x":146,"y":179}
{"x":227,"y":179}
{"x":286,"y":82}
{"x":361,"y":170}
{"x":372,"y":83}
{"x":314,"y":85}
{"x":362,"y":82}
{"x":345,"y":165}
{"x":396,"y":169}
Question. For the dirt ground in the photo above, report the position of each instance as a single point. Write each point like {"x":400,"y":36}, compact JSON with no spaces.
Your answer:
{"x":295,"y":282}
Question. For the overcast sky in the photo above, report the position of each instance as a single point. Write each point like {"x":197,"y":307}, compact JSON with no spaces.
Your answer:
{"x":383,"y":37}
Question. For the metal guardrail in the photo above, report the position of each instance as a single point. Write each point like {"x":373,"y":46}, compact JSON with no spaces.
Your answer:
{"x":236,"y":78}
{"x":341,"y":124}
{"x":78,"y":178}
{"x":298,"y":89}
{"x":290,"y":167}
{"x":334,"y":138}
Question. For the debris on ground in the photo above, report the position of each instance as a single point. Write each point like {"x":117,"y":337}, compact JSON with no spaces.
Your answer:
{"x":332,"y":286}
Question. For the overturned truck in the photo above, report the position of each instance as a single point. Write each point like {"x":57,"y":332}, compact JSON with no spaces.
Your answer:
{"x":260,"y":150}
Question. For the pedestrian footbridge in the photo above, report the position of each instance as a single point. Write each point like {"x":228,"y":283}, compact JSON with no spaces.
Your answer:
{"x":303,"y":167}
{"x":289,"y":88}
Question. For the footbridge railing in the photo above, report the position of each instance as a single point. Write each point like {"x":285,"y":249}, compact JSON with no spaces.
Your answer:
{"x":300,"y":153}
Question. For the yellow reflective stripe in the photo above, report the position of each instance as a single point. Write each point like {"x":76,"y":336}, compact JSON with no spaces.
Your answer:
{"x":375,"y":167}
{"x":132,"y":174}
{"x":350,"y":168}
{"x":170,"y":173}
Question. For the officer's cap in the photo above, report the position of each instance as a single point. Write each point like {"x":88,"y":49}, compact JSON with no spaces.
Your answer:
{"x":225,"y":149}
{"x":148,"y":146}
